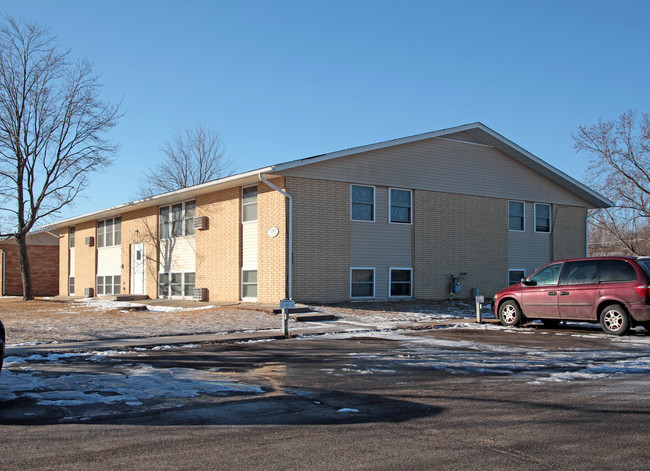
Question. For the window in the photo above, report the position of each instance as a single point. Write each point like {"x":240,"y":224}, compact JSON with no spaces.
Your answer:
{"x":176,"y":285}
{"x":362,"y":282}
{"x":109,"y":232}
{"x":71,"y":240}
{"x":542,"y":217}
{"x":249,"y":204}
{"x":107,"y":285}
{"x":400,"y":206}
{"x":515,"y":276}
{"x":516,"y":216}
{"x":362,"y":203}
{"x":582,"y":272}
{"x":176,"y":220}
{"x":249,"y":284}
{"x":547,"y":275}
{"x":613,"y":271}
{"x":401,"y":282}
{"x":71,"y":286}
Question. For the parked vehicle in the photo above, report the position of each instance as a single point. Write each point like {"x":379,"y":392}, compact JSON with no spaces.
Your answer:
{"x":614,"y":291}
{"x":2,"y":344}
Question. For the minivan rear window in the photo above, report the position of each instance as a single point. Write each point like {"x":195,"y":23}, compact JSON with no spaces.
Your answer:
{"x":645,"y":264}
{"x":612,"y":271}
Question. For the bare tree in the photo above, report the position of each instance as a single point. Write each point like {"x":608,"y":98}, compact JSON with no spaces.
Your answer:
{"x":194,"y":156}
{"x":52,"y":127}
{"x":619,"y":153}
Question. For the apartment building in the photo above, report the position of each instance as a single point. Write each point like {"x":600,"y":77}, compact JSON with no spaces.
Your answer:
{"x":384,"y":221}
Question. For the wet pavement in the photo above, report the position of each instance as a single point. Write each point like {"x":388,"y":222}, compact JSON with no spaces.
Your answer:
{"x":444,"y":397}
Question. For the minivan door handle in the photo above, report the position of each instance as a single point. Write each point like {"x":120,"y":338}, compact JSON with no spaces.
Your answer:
{"x":552,"y":293}
{"x":564,"y":293}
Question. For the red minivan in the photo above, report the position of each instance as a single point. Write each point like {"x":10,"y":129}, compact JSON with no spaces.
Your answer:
{"x":614,"y":291}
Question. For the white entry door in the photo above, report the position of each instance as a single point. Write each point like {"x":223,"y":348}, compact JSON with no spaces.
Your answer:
{"x":137,"y":268}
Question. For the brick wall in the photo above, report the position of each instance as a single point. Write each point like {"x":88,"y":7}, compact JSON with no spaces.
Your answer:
{"x":218,"y":248}
{"x":321,"y":240}
{"x":272,"y":208}
{"x":44,"y":262}
{"x":85,"y":258}
{"x":458,"y":233}
{"x":568,"y":236}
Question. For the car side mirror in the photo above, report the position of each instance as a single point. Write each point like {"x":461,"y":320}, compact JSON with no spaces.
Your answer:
{"x":527,"y":282}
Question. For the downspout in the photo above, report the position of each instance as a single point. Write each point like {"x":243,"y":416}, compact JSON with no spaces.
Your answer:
{"x":3,"y":272}
{"x":289,"y":231}
{"x":587,"y":230}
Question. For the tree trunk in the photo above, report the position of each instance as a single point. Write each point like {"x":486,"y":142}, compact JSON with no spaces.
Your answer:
{"x":25,"y":269}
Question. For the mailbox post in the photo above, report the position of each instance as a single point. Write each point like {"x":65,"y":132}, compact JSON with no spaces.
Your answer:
{"x":479,"y":306}
{"x":285,"y":305}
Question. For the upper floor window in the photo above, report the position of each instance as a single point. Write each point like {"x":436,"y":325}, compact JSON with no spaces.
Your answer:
{"x":177,"y":220}
{"x":249,"y":204}
{"x":71,"y":240}
{"x":516,"y":216}
{"x":362,"y":203}
{"x":109,"y":232}
{"x":542,"y":217}
{"x":400,"y":206}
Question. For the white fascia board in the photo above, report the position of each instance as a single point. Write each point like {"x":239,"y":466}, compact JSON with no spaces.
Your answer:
{"x":165,"y":198}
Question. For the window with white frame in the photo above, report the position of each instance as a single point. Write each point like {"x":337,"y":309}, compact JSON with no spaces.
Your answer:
{"x":515,"y":276}
{"x":176,"y":285}
{"x":542,"y":217}
{"x":400,"y":206}
{"x":362,"y":203}
{"x":176,"y":220}
{"x":249,"y":284}
{"x":71,"y":286}
{"x":401,"y":283}
{"x":108,"y":285}
{"x":109,"y":232}
{"x":71,"y":239}
{"x":362,"y":283}
{"x":249,"y":204}
{"x":516,"y":216}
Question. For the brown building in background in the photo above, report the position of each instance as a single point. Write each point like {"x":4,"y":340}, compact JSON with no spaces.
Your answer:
{"x":43,"y":253}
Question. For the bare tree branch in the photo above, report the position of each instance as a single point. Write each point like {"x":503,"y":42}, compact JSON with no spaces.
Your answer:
{"x":619,"y":153}
{"x":52,"y":128}
{"x":194,"y":156}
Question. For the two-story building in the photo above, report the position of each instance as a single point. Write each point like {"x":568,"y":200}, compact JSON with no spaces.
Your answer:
{"x":389,"y":220}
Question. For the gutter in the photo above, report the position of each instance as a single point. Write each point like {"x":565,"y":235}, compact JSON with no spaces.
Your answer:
{"x":290,"y":233}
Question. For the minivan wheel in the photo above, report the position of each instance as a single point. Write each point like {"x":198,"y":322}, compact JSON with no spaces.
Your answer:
{"x":614,"y":320}
{"x":510,"y":314}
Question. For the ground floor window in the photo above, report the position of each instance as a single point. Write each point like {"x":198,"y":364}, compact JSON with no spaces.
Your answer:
{"x":362,"y":283}
{"x":71,"y":286}
{"x":176,"y":284}
{"x":108,"y":285}
{"x":249,"y":284}
{"x":515,"y":276}
{"x":401,"y":282}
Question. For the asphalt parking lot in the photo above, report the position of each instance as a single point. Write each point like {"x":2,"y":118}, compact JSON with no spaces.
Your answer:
{"x":440,"y":398}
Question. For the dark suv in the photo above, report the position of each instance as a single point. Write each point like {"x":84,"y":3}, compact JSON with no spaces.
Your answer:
{"x":614,"y":291}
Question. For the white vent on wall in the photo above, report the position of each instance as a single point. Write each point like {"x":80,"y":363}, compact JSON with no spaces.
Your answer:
{"x":200,"y":223}
{"x":88,"y":292}
{"x":90,"y":241}
{"x":200,"y":294}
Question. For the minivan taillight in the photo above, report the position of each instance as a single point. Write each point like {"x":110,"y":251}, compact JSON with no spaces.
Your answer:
{"x":643,"y":290}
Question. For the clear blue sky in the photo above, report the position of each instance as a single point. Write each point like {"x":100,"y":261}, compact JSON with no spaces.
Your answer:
{"x":282,"y":80}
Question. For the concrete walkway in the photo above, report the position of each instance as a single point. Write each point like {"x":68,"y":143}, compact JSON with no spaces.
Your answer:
{"x":318,"y":328}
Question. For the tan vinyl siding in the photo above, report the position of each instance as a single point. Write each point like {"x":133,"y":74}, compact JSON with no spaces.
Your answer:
{"x":178,"y":255}
{"x":249,"y":245}
{"x":381,"y":245}
{"x":528,"y":250}
{"x":442,"y":165}
{"x":109,"y":260}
